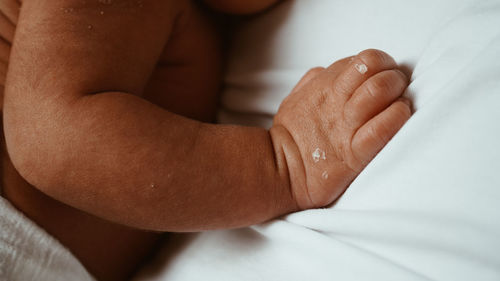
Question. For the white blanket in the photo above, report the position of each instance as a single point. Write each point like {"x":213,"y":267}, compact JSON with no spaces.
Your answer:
{"x":28,"y":253}
{"x":428,"y":206}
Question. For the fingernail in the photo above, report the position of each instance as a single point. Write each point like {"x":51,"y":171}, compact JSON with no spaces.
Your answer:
{"x":405,"y":101}
{"x":402,"y":73}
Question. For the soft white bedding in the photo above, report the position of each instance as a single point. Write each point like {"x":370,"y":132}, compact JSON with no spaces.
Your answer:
{"x":28,"y":253}
{"x":428,"y":206}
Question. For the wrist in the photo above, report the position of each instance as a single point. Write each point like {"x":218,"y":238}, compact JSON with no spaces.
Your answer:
{"x":290,"y":167}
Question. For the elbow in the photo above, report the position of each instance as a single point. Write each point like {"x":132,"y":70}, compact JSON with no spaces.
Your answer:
{"x":32,"y":148}
{"x":27,"y":166}
{"x":38,"y":121}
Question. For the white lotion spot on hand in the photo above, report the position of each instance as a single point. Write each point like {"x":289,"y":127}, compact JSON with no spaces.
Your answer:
{"x":325,"y":175}
{"x":318,"y":154}
{"x":361,"y":68}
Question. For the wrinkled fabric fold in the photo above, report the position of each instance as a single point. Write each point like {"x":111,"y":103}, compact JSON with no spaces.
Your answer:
{"x":28,"y":253}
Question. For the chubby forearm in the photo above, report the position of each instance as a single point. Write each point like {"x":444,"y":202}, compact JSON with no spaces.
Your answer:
{"x":124,"y":159}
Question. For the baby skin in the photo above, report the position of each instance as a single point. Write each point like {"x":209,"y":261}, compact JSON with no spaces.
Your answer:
{"x":90,"y":120}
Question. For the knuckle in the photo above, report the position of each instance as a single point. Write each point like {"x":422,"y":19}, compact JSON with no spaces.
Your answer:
{"x":375,"y":58}
{"x":315,"y":70}
{"x":319,"y":98}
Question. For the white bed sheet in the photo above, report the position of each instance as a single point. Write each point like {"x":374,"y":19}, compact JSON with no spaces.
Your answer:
{"x":28,"y":253}
{"x":428,"y":206}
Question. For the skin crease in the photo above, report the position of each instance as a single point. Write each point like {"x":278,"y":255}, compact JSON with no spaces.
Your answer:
{"x":111,"y":137}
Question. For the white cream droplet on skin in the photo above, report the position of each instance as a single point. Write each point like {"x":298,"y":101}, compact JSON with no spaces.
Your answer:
{"x":361,"y":68}
{"x":318,"y":154}
{"x":325,"y":175}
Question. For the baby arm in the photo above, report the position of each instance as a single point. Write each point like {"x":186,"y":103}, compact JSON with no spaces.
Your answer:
{"x":77,"y":130}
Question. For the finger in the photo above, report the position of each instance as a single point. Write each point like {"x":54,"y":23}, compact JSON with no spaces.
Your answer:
{"x":337,"y":67}
{"x":375,"y":95}
{"x":377,"y":132}
{"x":334,"y":70}
{"x":361,"y":68}
{"x":331,"y":72}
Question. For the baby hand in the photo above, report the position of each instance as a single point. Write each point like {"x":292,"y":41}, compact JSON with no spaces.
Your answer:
{"x":336,"y":120}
